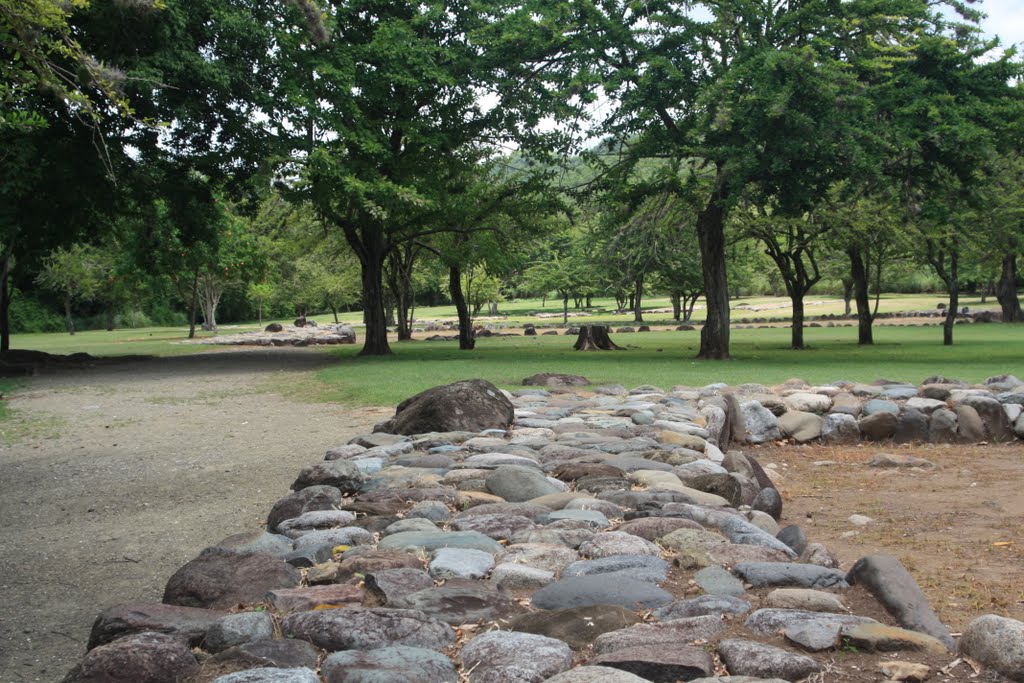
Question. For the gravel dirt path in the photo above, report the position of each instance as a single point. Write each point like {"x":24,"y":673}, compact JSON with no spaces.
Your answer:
{"x":113,"y":476}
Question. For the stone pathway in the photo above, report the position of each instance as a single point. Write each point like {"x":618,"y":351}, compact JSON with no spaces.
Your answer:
{"x":599,"y":536}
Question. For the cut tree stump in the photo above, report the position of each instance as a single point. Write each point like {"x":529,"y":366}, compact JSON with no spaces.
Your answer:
{"x":595,"y":338}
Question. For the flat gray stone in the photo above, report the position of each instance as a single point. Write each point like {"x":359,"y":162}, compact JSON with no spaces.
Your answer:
{"x":733,"y":527}
{"x":500,"y":526}
{"x":804,"y":599}
{"x":396,"y":664}
{"x":596,"y":674}
{"x":640,"y":567}
{"x":577,"y":626}
{"x":388,"y":585}
{"x":190,"y":624}
{"x":517,"y":484}
{"x":517,"y":577}
{"x":262,"y":542}
{"x":349,"y":535}
{"x":749,"y":658}
{"x":593,"y":518}
{"x":430,"y":541}
{"x":237,"y":629}
{"x":667,"y":634}
{"x":504,"y":656}
{"x":601,"y":589}
{"x":886,"y":578}
{"x":270,"y":675}
{"x":618,"y":543}
{"x":715,"y":605}
{"x":461,"y":601}
{"x":285,"y":654}
{"x":460,"y":563}
{"x":791,"y":574}
{"x":878,"y":405}
{"x":718,"y":581}
{"x":770,"y":621}
{"x":366,"y":629}
{"x":814,"y":637}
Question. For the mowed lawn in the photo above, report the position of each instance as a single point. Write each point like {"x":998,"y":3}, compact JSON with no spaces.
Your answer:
{"x":664,"y":359}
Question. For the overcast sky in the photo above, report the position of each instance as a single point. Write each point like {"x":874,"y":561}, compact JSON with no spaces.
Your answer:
{"x":1005,"y":19}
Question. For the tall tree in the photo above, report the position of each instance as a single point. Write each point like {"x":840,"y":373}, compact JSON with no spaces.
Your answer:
{"x":388,"y":106}
{"x":749,"y":93}
{"x":951,"y":109}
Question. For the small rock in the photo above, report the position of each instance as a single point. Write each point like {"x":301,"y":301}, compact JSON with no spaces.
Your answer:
{"x":460,"y":563}
{"x":577,"y":626}
{"x":271,"y":675}
{"x":658,"y":663}
{"x":367,"y":629}
{"x":905,"y":671}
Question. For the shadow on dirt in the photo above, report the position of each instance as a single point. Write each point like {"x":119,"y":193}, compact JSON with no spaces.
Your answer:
{"x":198,"y":365}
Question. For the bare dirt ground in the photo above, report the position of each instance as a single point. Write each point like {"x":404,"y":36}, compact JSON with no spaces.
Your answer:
{"x":114,"y":476}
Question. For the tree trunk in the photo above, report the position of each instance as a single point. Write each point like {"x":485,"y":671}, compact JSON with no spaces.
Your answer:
{"x":590,"y":300}
{"x":714,"y":336}
{"x":193,"y":304}
{"x":466,"y":339}
{"x":1006,"y":291}
{"x":865,"y":317}
{"x":797,"y":336}
{"x":847,"y":294}
{"x":595,"y":338}
{"x":372,"y":270}
{"x":68,"y":321}
{"x":565,"y":308}
{"x":953,"y":287}
{"x":334,"y":312}
{"x":689,"y":303}
{"x":638,"y":295}
{"x":677,"y":305}
{"x":5,"y":302}
{"x":212,"y":290}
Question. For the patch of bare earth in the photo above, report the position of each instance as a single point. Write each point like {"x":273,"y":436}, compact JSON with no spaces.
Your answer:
{"x":112,"y":477}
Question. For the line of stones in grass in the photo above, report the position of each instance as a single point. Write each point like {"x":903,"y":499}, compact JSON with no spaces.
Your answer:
{"x":533,"y":536}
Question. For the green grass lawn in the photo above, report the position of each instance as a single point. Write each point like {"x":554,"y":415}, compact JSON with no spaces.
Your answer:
{"x":664,"y":359}
{"x":522,"y":311}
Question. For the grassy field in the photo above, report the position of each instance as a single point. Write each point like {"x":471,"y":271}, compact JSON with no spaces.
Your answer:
{"x":663,"y":359}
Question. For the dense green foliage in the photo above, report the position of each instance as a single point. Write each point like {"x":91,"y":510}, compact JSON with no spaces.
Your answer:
{"x":221,"y":160}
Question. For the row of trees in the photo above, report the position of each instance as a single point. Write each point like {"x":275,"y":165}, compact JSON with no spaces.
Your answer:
{"x":385,"y":129}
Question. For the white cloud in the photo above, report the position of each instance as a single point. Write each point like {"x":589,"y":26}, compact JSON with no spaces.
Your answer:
{"x":1005,"y":19}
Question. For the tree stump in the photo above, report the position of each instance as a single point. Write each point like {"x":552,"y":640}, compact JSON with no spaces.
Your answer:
{"x":595,"y":338}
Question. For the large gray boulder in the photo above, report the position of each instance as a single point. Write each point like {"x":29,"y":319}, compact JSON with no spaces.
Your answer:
{"x":470,"y":405}
{"x":140,"y":658}
{"x":997,"y":643}
{"x":220,"y":579}
{"x":189,"y":624}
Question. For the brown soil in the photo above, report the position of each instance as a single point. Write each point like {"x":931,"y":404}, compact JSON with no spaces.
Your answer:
{"x":112,"y":477}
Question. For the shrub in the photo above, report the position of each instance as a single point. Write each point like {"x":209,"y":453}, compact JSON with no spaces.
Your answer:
{"x":28,"y":315}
